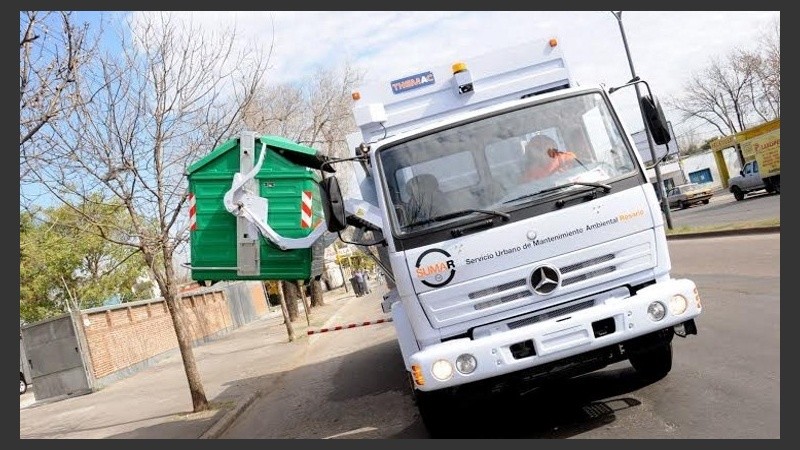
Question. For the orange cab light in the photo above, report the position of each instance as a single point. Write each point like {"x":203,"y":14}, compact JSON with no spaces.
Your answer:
{"x":416,"y":372}
{"x":553,"y":42}
{"x":356,"y":95}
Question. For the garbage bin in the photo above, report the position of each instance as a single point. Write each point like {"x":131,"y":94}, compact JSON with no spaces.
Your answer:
{"x":356,"y":286}
{"x":221,"y":247}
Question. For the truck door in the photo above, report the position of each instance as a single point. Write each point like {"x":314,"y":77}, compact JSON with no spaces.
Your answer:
{"x":751,"y":177}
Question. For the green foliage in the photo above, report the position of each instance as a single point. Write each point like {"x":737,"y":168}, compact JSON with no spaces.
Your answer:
{"x":67,"y":260}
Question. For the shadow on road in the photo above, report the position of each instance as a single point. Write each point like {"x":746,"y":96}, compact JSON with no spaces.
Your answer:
{"x":558,"y":410}
{"x":561,"y":410}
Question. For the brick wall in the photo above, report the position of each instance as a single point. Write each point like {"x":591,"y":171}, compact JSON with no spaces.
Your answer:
{"x":122,"y":336}
{"x":258,"y":298}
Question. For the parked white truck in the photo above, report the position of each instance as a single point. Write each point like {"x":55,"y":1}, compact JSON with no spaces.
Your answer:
{"x":513,"y":216}
{"x":497,"y":276}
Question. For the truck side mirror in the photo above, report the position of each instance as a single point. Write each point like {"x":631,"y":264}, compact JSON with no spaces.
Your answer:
{"x":656,"y":122}
{"x":333,"y":204}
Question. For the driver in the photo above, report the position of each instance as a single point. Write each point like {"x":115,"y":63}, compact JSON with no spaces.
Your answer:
{"x":543,"y":158}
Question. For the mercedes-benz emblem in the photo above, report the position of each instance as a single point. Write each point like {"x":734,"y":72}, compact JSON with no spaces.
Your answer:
{"x":545,"y":279}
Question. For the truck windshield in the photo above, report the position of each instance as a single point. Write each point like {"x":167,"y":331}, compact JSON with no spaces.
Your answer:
{"x":494,"y":162}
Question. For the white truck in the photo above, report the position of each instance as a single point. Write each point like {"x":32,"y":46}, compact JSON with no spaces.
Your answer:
{"x":496,"y":277}
{"x":502,"y":272}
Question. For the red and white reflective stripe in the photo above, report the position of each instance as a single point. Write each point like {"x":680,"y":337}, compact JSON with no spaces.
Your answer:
{"x":192,"y":213}
{"x":305,"y":210}
{"x":352,"y":325}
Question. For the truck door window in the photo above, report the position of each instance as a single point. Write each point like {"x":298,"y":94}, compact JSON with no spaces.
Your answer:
{"x":453,"y":172}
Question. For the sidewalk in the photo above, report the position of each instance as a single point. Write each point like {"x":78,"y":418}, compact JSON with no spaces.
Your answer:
{"x":156,"y":404}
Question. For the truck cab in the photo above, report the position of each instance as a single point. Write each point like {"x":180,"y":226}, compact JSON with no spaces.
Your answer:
{"x":748,"y":181}
{"x":508,"y":263}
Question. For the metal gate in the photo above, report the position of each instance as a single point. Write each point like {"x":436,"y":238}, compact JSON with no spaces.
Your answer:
{"x":55,"y":358}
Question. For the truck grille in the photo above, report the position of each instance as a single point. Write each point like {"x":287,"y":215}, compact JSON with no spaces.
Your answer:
{"x":515,"y":285}
{"x":511,"y":289}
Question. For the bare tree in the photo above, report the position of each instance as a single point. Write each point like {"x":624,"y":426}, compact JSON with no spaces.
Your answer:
{"x":689,"y":143}
{"x":737,"y":91}
{"x":171,"y":95}
{"x":715,"y":95}
{"x":53,"y":51}
{"x":769,"y":69}
{"x":317,"y":113}
{"x":316,"y":292}
{"x":287,"y":320}
{"x":291,"y":293}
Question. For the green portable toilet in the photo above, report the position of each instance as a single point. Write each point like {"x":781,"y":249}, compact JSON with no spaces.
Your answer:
{"x":230,"y":246}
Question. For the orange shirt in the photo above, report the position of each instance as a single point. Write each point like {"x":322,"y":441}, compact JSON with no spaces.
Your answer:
{"x":560,"y":160}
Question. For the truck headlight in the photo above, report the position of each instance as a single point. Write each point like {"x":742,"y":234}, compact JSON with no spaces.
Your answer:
{"x":466,"y":363}
{"x":442,"y":370}
{"x":656,"y":311}
{"x":678,"y":304}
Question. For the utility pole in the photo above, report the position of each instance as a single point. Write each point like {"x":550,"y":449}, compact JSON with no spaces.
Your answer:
{"x":661,"y":193}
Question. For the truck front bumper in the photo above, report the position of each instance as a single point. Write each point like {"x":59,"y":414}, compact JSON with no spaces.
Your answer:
{"x":614,"y":320}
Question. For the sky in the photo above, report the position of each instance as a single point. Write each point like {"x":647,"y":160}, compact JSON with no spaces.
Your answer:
{"x":666,"y":47}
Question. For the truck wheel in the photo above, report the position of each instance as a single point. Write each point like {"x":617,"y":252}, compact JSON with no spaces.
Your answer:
{"x":654,"y":364}
{"x":684,"y":205}
{"x":436,"y":412}
{"x":23,"y":386}
{"x":768,"y":186}
{"x":737,"y":193}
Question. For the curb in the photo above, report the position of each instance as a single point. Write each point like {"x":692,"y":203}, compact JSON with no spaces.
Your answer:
{"x":227,"y":419}
{"x":720,"y":233}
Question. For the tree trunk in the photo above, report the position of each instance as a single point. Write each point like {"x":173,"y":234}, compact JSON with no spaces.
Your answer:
{"x":286,"y":319}
{"x":316,"y":293}
{"x":199,"y":401}
{"x":292,"y":294}
{"x":306,"y":302}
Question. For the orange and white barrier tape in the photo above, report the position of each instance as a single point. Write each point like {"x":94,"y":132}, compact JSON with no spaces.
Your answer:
{"x":352,"y":325}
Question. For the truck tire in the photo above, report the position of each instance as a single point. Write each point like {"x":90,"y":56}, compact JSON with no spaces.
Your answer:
{"x":775,"y":184}
{"x":684,"y":205}
{"x":737,"y":193}
{"x":437,"y":412}
{"x":23,"y":385}
{"x":654,"y":364}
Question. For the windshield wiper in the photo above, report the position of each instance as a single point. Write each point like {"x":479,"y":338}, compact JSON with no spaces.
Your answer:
{"x":462,"y":212}
{"x":604,"y":187}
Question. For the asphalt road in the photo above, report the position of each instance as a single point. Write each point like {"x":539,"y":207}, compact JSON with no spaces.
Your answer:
{"x":724,"y":209}
{"x":725,"y":381}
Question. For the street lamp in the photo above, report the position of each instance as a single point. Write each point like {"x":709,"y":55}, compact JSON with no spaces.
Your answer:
{"x":661,"y":193}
